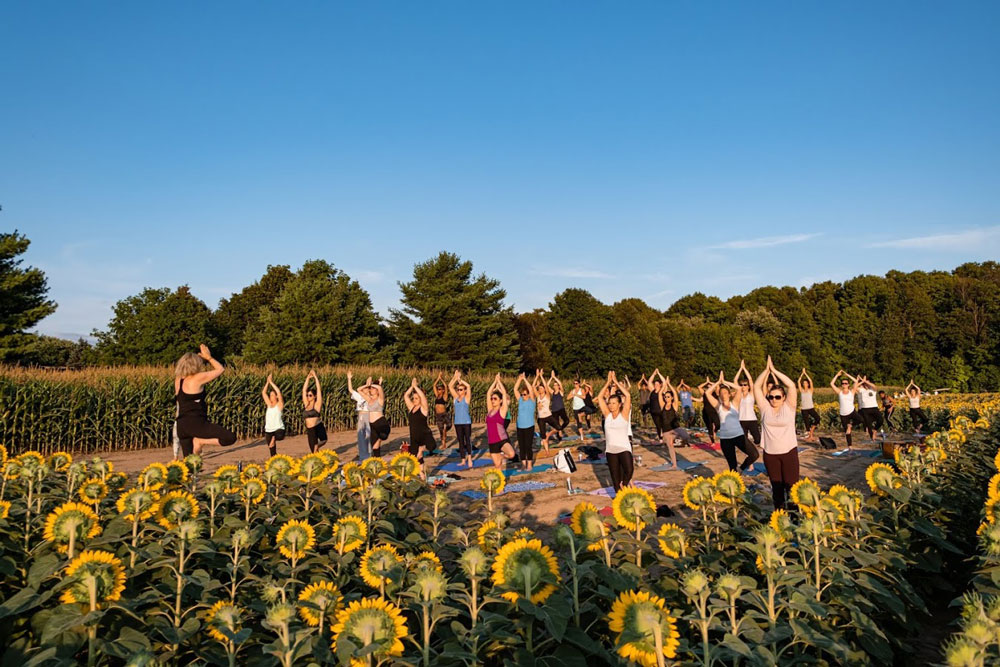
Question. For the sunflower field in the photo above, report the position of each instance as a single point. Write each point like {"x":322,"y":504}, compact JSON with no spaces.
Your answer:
{"x":311,"y":562}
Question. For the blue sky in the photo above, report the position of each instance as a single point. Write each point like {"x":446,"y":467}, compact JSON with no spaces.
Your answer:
{"x":631,"y":149}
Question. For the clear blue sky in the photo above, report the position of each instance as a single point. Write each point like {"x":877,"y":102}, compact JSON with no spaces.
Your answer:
{"x":632,"y":149}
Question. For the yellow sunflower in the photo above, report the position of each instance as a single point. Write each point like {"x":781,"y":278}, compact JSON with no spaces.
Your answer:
{"x":295,"y":538}
{"x":782,"y":524}
{"x":349,"y":533}
{"x":331,"y":460}
{"x":374,"y":467}
{"x":3,"y":455}
{"x":673,"y":540}
{"x":280,"y":465}
{"x":253,"y":490}
{"x":426,"y":560}
{"x":404,"y":466}
{"x":223,"y":617}
{"x":698,"y":492}
{"x":230,"y":476}
{"x":524,"y":532}
{"x":635,"y":616}
{"x":251,"y":471}
{"x":175,"y":507}
{"x":11,"y":469}
{"x":106,"y":573}
{"x":991,"y":508}
{"x":489,"y":535}
{"x":153,"y":476}
{"x":881,"y":478}
{"x":312,"y":469}
{"x":526,"y":566}
{"x":4,"y":509}
{"x":93,"y":491}
{"x":993,"y":488}
{"x":806,"y":494}
{"x":587,"y":522}
{"x":729,"y":486}
{"x":493,"y":480}
{"x":116,"y":481}
{"x":371,"y":621}
{"x":76,"y":519}
{"x":321,"y":597}
{"x":177,"y":473}
{"x":629,"y":505}
{"x":377,"y":565}
{"x":58,"y":461}
{"x":354,"y":476}
{"x":31,"y":462}
{"x":137,"y":504}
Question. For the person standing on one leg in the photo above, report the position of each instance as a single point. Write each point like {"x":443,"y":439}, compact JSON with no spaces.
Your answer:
{"x":888,"y":408}
{"x":777,"y":418}
{"x":687,"y":403}
{"x":546,"y":421}
{"x":497,"y":405}
{"x":615,"y":404}
{"x":421,"y":438}
{"x":378,"y":426}
{"x":709,"y":415}
{"x":194,"y":431}
{"x":810,"y":417}
{"x":274,"y":425}
{"x":312,"y":403}
{"x":643,"y":400}
{"x":525,"y":421}
{"x":745,"y":396}
{"x":917,"y":416}
{"x":871,"y":417}
{"x":579,"y":406}
{"x":558,"y":406}
{"x":661,"y":407}
{"x":719,"y":397}
{"x":845,"y":403}
{"x":364,"y":426}
{"x":441,"y":417}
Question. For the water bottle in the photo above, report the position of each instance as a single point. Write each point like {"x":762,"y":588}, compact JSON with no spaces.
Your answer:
{"x":579,"y":456}
{"x":239,"y":466}
{"x":638,"y":459}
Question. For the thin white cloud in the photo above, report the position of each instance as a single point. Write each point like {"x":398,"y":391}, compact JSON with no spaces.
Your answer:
{"x":971,"y":239}
{"x":764,"y":242}
{"x":572,"y":272}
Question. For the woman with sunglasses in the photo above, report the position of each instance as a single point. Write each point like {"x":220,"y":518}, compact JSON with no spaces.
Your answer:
{"x":558,"y":404}
{"x":497,"y":405}
{"x":525,"y":421}
{"x":661,"y":406}
{"x":810,"y":417}
{"x":745,"y":401}
{"x":777,"y":419}
{"x":421,"y":438}
{"x":616,"y":406}
{"x":546,"y":420}
{"x":460,"y":391}
{"x":719,"y":398}
{"x":312,"y":403}
{"x":845,"y":400}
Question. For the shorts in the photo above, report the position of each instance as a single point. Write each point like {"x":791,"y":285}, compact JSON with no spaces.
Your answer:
{"x":497,"y":447}
{"x":277,"y":435}
{"x":443,"y":421}
{"x":316,"y":435}
{"x":381,"y":428}
{"x":849,"y":419}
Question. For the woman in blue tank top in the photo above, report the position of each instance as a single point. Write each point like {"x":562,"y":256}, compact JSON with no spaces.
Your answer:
{"x":460,"y":391}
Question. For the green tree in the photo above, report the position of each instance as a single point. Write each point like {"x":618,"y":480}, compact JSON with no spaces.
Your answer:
{"x":50,"y":351}
{"x":584,"y":338}
{"x":237,"y":314}
{"x":452,"y":319}
{"x":156,"y":326}
{"x":22,"y":296}
{"x":532,"y":340}
{"x":320,"y":316}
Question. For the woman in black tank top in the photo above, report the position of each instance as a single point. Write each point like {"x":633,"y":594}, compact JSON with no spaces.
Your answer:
{"x":193,"y":428}
{"x":421,"y":439}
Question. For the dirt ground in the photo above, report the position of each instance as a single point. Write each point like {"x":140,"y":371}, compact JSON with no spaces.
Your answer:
{"x":541,"y":508}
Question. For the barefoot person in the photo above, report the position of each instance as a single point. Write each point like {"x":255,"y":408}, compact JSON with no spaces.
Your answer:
{"x":194,"y":431}
{"x":661,"y":402}
{"x":378,"y":425}
{"x":810,"y":417}
{"x":460,"y":391}
{"x":579,"y":405}
{"x":497,"y":405}
{"x":421,"y":438}
{"x":777,"y":419}
{"x":312,"y":403}
{"x":558,"y":405}
{"x":274,"y":425}
{"x":546,"y":420}
{"x":917,"y":416}
{"x":871,"y":417}
{"x":709,"y":414}
{"x":845,"y":403}
{"x":525,"y":421}
{"x":616,"y":405}
{"x":441,"y":417}
{"x":364,"y":426}
{"x":745,"y":403}
{"x":687,"y":403}
{"x":719,"y":397}
{"x":888,"y":408}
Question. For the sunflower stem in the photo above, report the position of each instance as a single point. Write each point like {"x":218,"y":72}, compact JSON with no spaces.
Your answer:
{"x":658,"y":643}
{"x":92,"y":630}
{"x":427,"y":635}
{"x":71,"y":549}
{"x":638,"y":543}
{"x":816,"y":557}
{"x":527,"y":596}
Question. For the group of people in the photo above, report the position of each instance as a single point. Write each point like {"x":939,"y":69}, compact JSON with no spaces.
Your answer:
{"x":729,"y":410}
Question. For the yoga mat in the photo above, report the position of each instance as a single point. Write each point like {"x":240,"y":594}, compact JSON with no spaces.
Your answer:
{"x":518,"y":471}
{"x":439,"y":478}
{"x":519,"y":487}
{"x":758,"y":469}
{"x":453,"y":452}
{"x":681,"y":465}
{"x":458,"y":466}
{"x":706,"y":446}
{"x":609,"y":492}
{"x":601,"y":459}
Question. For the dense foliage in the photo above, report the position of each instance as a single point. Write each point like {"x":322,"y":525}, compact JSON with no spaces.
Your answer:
{"x":22,"y":297}
{"x":298,"y":561}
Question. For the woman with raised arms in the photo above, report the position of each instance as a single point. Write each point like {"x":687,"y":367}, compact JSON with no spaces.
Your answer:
{"x":274,"y":425}
{"x":194,"y":431}
{"x":777,"y":420}
{"x":616,"y":405}
{"x":497,"y":405}
{"x":719,"y":397}
{"x":810,"y":417}
{"x":525,"y":421}
{"x":460,"y":391}
{"x":312,"y":403}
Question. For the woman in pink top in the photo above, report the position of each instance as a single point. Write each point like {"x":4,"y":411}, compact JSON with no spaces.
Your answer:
{"x":497,"y":404}
{"x":777,"y":421}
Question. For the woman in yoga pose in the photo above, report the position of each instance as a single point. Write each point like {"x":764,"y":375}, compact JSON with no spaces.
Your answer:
{"x":719,"y":398}
{"x":871,"y":417}
{"x":543,"y":393}
{"x":497,"y":405}
{"x":525,"y":421}
{"x":777,"y":418}
{"x":194,"y":431}
{"x":312,"y":403}
{"x":810,"y":417}
{"x":745,"y":403}
{"x":616,"y":405}
{"x":460,"y":391}
{"x":441,"y":417}
{"x":364,"y":426}
{"x":888,"y":408}
{"x":845,"y":399}
{"x":378,"y":425}
{"x":917,"y":416}
{"x":643,"y":400}
{"x":421,"y":438}
{"x":274,"y":425}
{"x":558,"y":404}
{"x":709,"y":414}
{"x":661,"y":408}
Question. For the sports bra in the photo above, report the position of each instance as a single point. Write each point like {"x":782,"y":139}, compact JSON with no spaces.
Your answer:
{"x":311,"y":413}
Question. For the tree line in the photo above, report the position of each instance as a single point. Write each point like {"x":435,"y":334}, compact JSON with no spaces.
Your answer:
{"x":941,"y":327}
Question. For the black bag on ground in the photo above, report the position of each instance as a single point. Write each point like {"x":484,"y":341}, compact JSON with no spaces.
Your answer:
{"x":827,"y":443}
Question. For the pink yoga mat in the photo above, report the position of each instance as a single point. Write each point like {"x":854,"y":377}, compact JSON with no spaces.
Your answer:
{"x":706,"y":446}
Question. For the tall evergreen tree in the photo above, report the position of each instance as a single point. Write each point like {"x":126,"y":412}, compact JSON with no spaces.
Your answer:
{"x":320,"y":316}
{"x":584,"y":338}
{"x":450,"y":318}
{"x":22,"y":296}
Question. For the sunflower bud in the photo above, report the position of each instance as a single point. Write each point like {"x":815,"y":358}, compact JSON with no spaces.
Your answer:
{"x":279,"y":615}
{"x":693,"y":582}
{"x":729,"y":586}
{"x":474,"y":562}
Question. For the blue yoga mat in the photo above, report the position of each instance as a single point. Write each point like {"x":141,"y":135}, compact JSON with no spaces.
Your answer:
{"x":519,"y":487}
{"x":601,"y":459}
{"x":458,"y":466}
{"x":453,"y":452}
{"x":681,"y":465}
{"x":518,"y":471}
{"x":758,"y":469}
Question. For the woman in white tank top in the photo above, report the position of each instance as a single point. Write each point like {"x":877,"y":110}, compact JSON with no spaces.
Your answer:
{"x":845,"y":398}
{"x":616,"y":405}
{"x":917,"y":416}
{"x":748,"y":418}
{"x":810,"y":417}
{"x":274,"y":425}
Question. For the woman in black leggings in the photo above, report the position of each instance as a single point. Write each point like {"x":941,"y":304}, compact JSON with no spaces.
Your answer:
{"x":193,"y":428}
{"x":708,"y":414}
{"x":719,"y":398}
{"x":917,"y":416}
{"x":616,"y":406}
{"x":810,"y":417}
{"x":558,"y":404}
